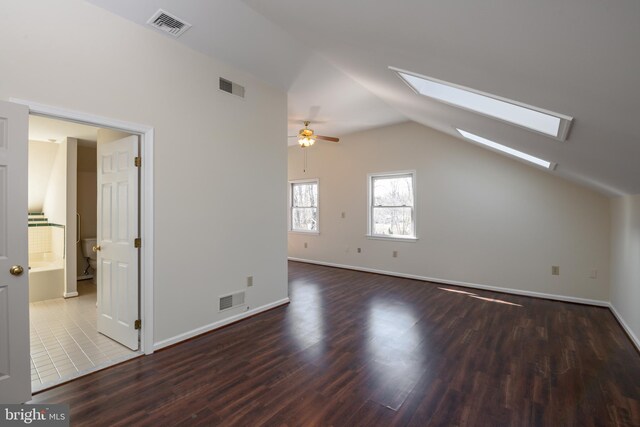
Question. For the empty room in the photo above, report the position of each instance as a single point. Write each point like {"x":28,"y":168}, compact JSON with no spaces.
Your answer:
{"x":319,"y":213}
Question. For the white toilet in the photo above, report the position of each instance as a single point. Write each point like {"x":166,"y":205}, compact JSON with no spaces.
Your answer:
{"x":87,"y":251}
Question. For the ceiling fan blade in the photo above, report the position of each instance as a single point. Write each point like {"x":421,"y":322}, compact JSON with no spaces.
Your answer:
{"x":293,"y":136}
{"x":327,"y":138}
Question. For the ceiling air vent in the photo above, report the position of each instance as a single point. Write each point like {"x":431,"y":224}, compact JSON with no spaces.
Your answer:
{"x":231,"y":87}
{"x":231,"y":301}
{"x":168,"y":23}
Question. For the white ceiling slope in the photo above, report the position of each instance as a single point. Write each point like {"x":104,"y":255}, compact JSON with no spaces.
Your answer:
{"x":231,"y":31}
{"x":580,"y":58}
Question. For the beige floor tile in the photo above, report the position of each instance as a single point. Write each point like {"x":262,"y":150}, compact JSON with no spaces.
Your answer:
{"x":65,"y":340}
{"x":46,"y":371}
{"x":50,"y":378}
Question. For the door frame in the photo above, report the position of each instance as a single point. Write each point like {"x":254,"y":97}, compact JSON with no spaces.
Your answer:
{"x":146,"y":134}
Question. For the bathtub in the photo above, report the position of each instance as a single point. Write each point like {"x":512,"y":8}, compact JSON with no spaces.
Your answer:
{"x":46,"y":277}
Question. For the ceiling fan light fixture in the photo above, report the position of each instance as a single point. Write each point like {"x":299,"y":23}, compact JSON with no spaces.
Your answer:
{"x":306,"y":142}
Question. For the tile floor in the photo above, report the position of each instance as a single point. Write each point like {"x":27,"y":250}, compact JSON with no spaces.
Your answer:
{"x":65,"y":342}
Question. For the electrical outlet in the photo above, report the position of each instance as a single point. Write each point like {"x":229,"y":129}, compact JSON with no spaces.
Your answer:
{"x":555,"y":270}
{"x":343,"y":215}
{"x":359,"y":250}
{"x":249,"y":281}
{"x":305,"y":245}
{"x":395,"y":254}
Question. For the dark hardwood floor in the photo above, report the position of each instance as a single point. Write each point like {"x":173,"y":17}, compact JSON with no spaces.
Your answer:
{"x":359,"y":349}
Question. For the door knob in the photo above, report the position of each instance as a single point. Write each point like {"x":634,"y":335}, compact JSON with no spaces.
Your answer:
{"x":16,"y":270}
{"x":96,"y":248}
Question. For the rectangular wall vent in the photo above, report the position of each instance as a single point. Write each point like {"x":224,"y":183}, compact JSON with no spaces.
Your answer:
{"x":231,"y":301}
{"x":168,"y":23}
{"x":231,"y":87}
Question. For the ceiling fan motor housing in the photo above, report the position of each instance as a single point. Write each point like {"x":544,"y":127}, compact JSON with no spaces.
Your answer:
{"x":306,"y":132}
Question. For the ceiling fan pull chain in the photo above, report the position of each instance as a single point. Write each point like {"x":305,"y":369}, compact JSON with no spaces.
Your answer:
{"x":305,"y":161}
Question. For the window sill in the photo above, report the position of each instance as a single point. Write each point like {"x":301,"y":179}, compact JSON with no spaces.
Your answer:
{"x":304,"y":232}
{"x":395,"y":239}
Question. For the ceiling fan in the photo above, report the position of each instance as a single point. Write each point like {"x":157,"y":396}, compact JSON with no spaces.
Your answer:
{"x":306,"y":137}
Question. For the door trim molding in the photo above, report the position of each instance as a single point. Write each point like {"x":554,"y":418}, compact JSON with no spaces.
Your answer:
{"x":146,"y":134}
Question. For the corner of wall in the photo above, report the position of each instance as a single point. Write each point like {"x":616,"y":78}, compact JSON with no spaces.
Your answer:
{"x":625,"y":263}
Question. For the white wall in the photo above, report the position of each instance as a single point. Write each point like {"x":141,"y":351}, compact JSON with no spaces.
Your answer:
{"x":219,"y":194}
{"x":60,"y":208}
{"x":55,"y":199}
{"x":71,"y":230}
{"x":41,"y":158}
{"x":625,"y":262}
{"x":87,"y":200}
{"x":482,"y":218}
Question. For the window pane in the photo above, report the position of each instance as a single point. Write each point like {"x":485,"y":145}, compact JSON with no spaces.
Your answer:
{"x":305,"y":195}
{"x":393,"y":221}
{"x":393,"y":191}
{"x":304,"y":219}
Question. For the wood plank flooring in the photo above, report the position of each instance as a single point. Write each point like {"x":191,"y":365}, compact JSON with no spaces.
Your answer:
{"x":359,"y":349}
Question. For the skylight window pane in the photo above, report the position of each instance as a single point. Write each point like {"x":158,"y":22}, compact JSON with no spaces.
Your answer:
{"x":505,"y":149}
{"x":552,"y":124}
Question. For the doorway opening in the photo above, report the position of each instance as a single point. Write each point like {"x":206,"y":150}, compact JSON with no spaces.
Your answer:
{"x":84,"y":281}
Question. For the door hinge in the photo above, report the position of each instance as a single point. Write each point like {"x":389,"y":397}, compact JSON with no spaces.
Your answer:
{"x":137,"y":161}
{"x":137,"y":243}
{"x":137,"y":324}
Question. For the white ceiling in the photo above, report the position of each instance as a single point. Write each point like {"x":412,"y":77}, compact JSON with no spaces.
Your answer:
{"x":580,"y":58}
{"x":44,"y":129}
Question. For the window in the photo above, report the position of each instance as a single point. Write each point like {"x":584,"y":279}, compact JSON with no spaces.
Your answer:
{"x":508,"y":150}
{"x":392,"y":205}
{"x":303,"y":206}
{"x":530,"y":117}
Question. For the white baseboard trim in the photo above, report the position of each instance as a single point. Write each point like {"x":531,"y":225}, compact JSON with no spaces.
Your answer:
{"x":215,"y":325}
{"x":70,"y":294}
{"x":626,"y":327}
{"x":564,"y":298}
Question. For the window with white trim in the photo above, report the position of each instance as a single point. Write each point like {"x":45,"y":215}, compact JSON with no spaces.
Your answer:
{"x":392,"y":205}
{"x":303,"y":206}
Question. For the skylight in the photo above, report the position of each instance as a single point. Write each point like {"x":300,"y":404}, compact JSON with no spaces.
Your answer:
{"x":507,"y":150}
{"x":536,"y":119}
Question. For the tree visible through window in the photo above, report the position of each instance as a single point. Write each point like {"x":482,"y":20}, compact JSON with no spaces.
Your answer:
{"x":304,"y":206}
{"x":392,"y":205}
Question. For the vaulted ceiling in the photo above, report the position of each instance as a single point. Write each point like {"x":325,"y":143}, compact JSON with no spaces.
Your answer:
{"x":580,"y":58}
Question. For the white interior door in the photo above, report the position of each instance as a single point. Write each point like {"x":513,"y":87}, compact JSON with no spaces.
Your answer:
{"x":15,"y":376}
{"x":117,"y":257}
